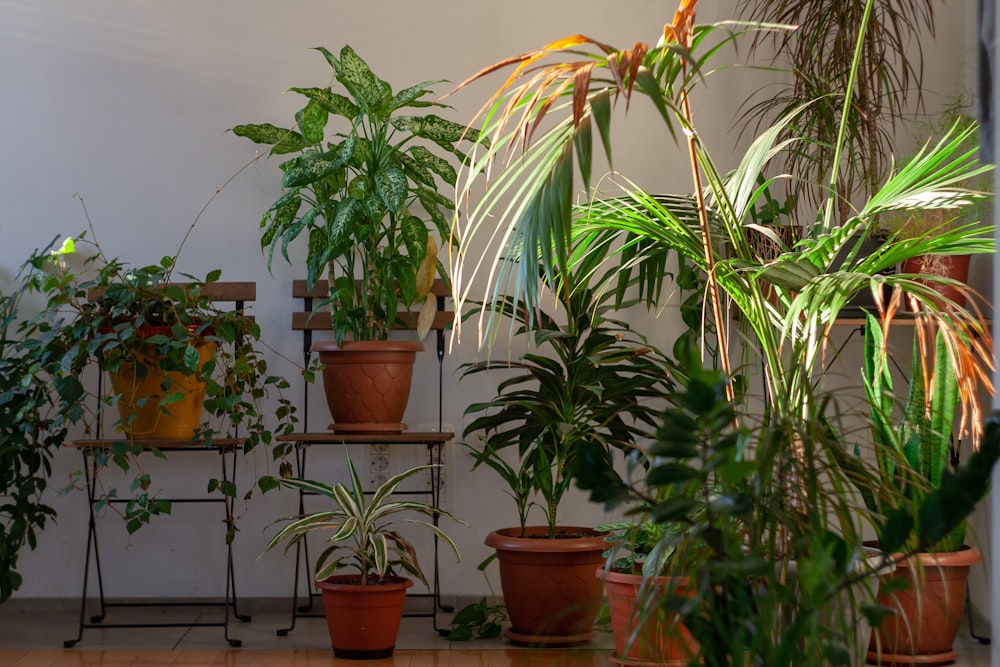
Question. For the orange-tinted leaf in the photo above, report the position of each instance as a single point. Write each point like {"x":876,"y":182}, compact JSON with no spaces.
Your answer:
{"x":581,"y":87}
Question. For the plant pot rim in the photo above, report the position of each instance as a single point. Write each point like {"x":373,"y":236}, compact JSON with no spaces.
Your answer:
{"x":510,"y":539}
{"x":367,"y":345}
{"x":604,"y":574}
{"x":348,"y":581}
{"x":966,"y":556}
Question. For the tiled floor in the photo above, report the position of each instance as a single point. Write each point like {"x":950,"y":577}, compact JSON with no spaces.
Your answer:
{"x":36,"y":640}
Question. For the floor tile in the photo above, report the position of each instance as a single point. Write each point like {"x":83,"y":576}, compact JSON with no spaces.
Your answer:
{"x":26,"y":641}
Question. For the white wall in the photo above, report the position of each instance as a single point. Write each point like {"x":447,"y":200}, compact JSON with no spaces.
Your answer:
{"x":128,"y":102}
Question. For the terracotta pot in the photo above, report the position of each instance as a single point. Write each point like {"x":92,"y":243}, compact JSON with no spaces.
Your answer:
{"x":928,"y":613}
{"x":363,"y":620}
{"x":367,"y":383}
{"x":141,"y":392}
{"x":949,"y":266}
{"x":659,"y":640}
{"x":549,"y":588}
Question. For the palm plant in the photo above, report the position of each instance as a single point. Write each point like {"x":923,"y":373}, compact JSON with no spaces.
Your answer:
{"x":529,"y":207}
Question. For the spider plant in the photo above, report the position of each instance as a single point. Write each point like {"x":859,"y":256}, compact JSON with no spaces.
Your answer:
{"x":363,"y":527}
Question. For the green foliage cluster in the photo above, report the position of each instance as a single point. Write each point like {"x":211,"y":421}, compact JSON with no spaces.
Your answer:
{"x":590,"y":378}
{"x":364,"y":527}
{"x":770,"y":564}
{"x":365,"y":194}
{"x":102,"y":312}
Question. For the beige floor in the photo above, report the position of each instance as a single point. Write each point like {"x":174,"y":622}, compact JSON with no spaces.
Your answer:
{"x":36,"y":640}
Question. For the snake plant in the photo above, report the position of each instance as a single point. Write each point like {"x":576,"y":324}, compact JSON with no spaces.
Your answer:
{"x":913,"y":453}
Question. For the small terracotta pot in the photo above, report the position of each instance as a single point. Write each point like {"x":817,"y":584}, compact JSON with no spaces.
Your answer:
{"x":367,"y":383}
{"x":660,"y":639}
{"x":363,"y":620}
{"x":949,"y":266}
{"x":549,"y":588}
{"x":928,"y":613}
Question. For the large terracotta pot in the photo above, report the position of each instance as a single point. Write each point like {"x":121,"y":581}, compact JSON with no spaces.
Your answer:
{"x":363,"y":620}
{"x":549,"y":588}
{"x":928,"y":613}
{"x":367,"y":383}
{"x":140,"y":393}
{"x":660,"y":639}
{"x":949,"y":266}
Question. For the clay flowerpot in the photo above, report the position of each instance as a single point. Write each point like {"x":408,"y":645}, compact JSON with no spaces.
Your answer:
{"x":949,"y":266}
{"x":549,"y":588}
{"x":928,"y":613}
{"x":141,"y":392}
{"x":367,"y":383}
{"x":363,"y":620}
{"x":660,"y":639}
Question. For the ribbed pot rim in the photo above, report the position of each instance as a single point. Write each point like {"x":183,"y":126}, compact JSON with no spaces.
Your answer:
{"x":509,"y":539}
{"x":346,"y":581}
{"x":628,"y":578}
{"x":964,"y":557}
{"x":367,"y":346}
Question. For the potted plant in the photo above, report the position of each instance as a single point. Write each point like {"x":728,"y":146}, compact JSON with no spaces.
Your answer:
{"x":944,"y":272}
{"x":817,"y":55}
{"x":913,"y":455}
{"x":768,"y":574}
{"x":636,"y":580}
{"x":160,"y":338}
{"x":591,"y":380}
{"x":774,"y":314}
{"x":364,"y":196}
{"x":363,"y":608}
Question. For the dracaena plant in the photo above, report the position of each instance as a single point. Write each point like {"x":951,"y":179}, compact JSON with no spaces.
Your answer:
{"x":363,"y":528}
{"x":361,"y":192}
{"x":588,"y":378}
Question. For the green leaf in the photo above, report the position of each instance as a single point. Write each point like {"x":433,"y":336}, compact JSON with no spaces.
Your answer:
{"x":415,"y":238}
{"x":440,"y":166}
{"x":280,"y":139}
{"x":312,"y":122}
{"x":191,"y":358}
{"x":267,"y":483}
{"x":312,"y":167}
{"x":876,"y":613}
{"x":670,"y":473}
{"x":674,"y":509}
{"x":895,"y":531}
{"x":372,"y":94}
{"x":442,"y":132}
{"x":332,"y":102}
{"x":392,"y":188}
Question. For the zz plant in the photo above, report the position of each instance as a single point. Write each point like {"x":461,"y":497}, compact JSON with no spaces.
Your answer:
{"x":767,"y":566}
{"x":363,"y":192}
